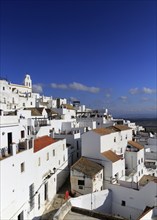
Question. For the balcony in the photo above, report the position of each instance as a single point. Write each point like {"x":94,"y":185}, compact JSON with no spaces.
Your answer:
{"x":6,"y":152}
{"x":25,"y":145}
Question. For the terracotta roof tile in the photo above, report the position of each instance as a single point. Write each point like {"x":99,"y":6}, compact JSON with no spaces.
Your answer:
{"x":35,"y":111}
{"x":136,"y":145}
{"x":121,"y":127}
{"x":109,"y":130}
{"x":88,"y":167}
{"x":103,"y":131}
{"x":110,"y":155}
{"x":42,"y":142}
{"x":146,"y":179}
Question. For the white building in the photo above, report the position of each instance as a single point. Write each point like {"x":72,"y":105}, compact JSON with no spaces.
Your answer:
{"x":86,"y":176}
{"x":32,"y":168}
{"x":117,"y":202}
{"x":31,"y":176}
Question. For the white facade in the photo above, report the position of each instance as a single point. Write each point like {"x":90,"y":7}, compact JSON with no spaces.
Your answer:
{"x":42,"y":170}
{"x":86,"y":177}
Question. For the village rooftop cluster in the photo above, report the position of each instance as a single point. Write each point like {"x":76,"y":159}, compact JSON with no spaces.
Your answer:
{"x":112,"y":163}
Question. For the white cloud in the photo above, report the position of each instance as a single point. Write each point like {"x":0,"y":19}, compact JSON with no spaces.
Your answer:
{"x":148,"y":90}
{"x":144,"y":90}
{"x":81,"y":87}
{"x":134,"y":91}
{"x":75,"y":86}
{"x":59,"y":86}
{"x":123,"y":98}
{"x":37,"y":88}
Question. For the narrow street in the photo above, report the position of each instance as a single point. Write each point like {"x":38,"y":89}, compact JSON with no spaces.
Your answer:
{"x":58,"y":201}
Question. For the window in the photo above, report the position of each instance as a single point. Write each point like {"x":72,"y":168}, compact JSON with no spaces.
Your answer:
{"x":138,"y":161}
{"x":63,"y":158}
{"x":77,"y":145}
{"x":59,"y":162}
{"x":114,"y":139}
{"x":22,"y":167}
{"x":77,"y":155}
{"x":63,"y":147}
{"x":46,"y":191}
{"x":123,"y":203}
{"x":23,"y":104}
{"x":81,"y":182}
{"x":139,"y":173}
{"x":142,"y":171}
{"x":80,"y":187}
{"x":53,"y":152}
{"x":3,"y":88}
{"x":31,"y":196}
{"x":39,"y":161}
{"x":31,"y":103}
{"x":141,"y":160}
{"x":22,"y":134}
{"x":126,"y":137}
{"x":38,"y":201}
{"x":47,"y":157}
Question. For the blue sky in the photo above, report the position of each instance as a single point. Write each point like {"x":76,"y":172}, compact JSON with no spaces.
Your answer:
{"x":102,"y":53}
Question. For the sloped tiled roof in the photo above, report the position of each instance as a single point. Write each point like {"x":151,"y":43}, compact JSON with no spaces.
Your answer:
{"x":136,"y":145}
{"x":42,"y":142}
{"x":88,"y":167}
{"x":109,"y":130}
{"x":70,"y":107}
{"x":35,"y":111}
{"x":110,"y":155}
{"x":146,"y":179}
{"x":103,"y":131}
{"x":51,"y":112}
{"x":121,"y":127}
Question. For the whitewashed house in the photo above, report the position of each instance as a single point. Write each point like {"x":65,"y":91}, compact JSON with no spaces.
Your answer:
{"x":108,"y":145}
{"x":31,"y":176}
{"x":134,"y":160}
{"x":86,"y":176}
{"x":32,"y":169}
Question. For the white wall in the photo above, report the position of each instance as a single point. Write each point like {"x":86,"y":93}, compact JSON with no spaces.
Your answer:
{"x":90,"y":144}
{"x":135,"y":200}
{"x":15,"y":184}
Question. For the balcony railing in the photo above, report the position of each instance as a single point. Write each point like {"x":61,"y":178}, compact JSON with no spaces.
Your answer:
{"x":6,"y":152}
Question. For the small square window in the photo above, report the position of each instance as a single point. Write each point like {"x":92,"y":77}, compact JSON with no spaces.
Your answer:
{"x":80,"y":187}
{"x":123,"y":203}
{"x":22,"y":167}
{"x":81,"y":182}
